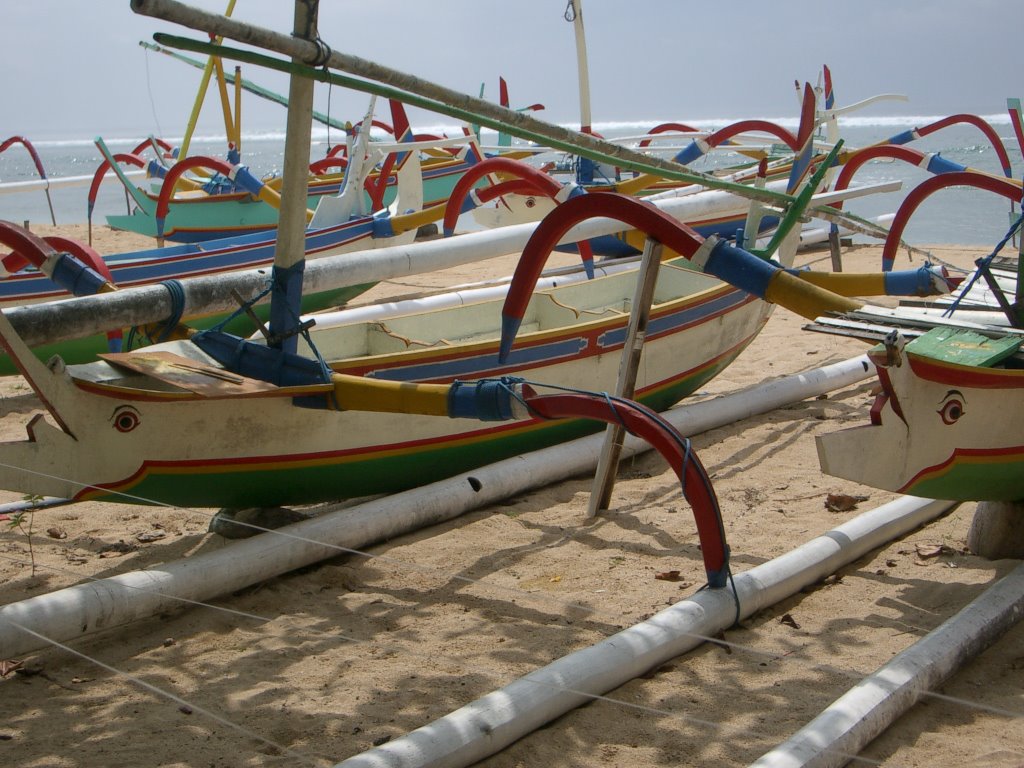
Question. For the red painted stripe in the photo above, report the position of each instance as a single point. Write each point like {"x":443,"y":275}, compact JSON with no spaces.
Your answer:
{"x":942,"y":372}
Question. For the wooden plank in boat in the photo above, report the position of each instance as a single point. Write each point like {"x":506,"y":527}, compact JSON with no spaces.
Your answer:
{"x":189,"y":374}
{"x":963,"y":347}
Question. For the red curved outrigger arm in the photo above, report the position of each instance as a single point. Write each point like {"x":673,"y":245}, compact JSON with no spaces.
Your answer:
{"x":649,"y":426}
{"x":29,"y":148}
{"x":28,"y":248}
{"x":171,"y":179}
{"x":635,"y":213}
{"x":131,"y":158}
{"x":928,"y":187}
{"x":665,"y":128}
{"x":862,"y":156}
{"x":320,"y":166}
{"x":980,"y":124}
{"x":535,"y":180}
{"x":36,"y":161}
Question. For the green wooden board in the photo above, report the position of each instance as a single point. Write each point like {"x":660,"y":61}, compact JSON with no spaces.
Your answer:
{"x":955,"y":345}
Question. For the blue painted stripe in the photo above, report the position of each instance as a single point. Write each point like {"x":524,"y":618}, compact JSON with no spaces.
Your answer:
{"x":938,"y":165}
{"x":676,"y":321}
{"x":688,"y":154}
{"x":483,"y":364}
{"x":903,"y":138}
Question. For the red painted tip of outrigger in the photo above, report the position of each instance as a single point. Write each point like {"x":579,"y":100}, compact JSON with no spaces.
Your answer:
{"x":649,"y":426}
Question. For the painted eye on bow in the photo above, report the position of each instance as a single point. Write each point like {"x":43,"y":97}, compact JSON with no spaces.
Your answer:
{"x":951,"y":411}
{"x":125,"y":419}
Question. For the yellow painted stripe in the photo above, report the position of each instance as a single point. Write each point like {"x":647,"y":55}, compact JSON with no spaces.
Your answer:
{"x":354,"y":393}
{"x":805,"y":299}
{"x":847,"y":283}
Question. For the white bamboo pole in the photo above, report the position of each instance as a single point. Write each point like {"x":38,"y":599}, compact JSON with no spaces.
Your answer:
{"x":494,"y":721}
{"x":840,"y":732}
{"x":13,"y":187}
{"x":86,"y":608}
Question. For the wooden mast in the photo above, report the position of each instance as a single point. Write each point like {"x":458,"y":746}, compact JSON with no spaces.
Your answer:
{"x":574,"y":13}
{"x":290,"y":251}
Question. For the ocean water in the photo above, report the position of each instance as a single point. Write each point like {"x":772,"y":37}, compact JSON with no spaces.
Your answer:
{"x":952,"y":216}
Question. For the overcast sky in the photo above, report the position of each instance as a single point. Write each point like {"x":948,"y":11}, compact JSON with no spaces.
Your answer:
{"x":73,"y":68}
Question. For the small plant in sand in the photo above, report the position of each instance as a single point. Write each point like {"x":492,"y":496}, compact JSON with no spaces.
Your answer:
{"x":23,"y":521}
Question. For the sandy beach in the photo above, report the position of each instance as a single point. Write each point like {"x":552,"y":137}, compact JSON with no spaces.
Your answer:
{"x":322,"y":664}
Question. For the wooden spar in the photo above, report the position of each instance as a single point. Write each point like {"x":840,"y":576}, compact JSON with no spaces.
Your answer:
{"x":230,"y":129}
{"x":636,"y":332}
{"x":576,"y":9}
{"x":204,"y":83}
{"x":422,"y":93}
{"x":290,"y":252}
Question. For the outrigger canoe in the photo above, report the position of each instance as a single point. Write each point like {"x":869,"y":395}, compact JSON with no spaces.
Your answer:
{"x":170,"y":425}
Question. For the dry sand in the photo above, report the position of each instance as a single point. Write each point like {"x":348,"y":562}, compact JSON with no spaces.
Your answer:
{"x":346,"y":654}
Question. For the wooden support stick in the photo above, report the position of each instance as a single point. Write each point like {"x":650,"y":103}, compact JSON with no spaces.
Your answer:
{"x":636,"y":333}
{"x":833,"y":246}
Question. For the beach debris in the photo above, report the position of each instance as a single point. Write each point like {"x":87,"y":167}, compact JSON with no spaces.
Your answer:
{"x":842,"y":502}
{"x":116,"y":549}
{"x":667,"y":576}
{"x":8,"y":665}
{"x":789,"y":621}
{"x":928,"y":552}
{"x":56,"y":533}
{"x":147,"y":536}
{"x":30,"y":668}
